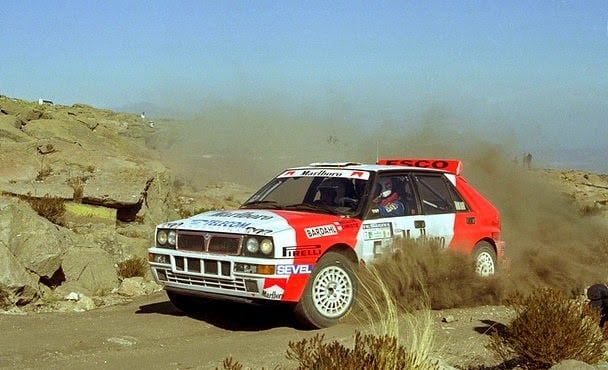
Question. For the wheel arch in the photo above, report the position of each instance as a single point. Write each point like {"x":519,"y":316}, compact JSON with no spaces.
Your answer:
{"x":344,"y":249}
{"x":487,"y":240}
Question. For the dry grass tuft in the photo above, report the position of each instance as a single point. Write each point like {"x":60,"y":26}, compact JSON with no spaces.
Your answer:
{"x":51,"y":208}
{"x":44,"y":172}
{"x":132,"y":267}
{"x":76,"y":183}
{"x":378,"y":306}
{"x":369,"y":352}
{"x":385,"y":347}
{"x":421,"y":274}
{"x":548,"y":329}
{"x":230,"y":364}
{"x":4,"y":296}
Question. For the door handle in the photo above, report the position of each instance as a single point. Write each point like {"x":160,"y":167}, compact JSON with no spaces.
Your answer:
{"x":419,"y":224}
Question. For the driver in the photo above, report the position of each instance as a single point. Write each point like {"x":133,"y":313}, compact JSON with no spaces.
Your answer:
{"x":388,"y":202}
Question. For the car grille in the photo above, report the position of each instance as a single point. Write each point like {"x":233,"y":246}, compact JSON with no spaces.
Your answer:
{"x":209,"y":242}
{"x":207,"y":282}
{"x":202,"y":266}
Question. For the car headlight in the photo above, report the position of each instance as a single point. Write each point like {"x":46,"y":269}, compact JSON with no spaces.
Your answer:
{"x":164,"y":237}
{"x":253,"y":246}
{"x":266,"y":246}
{"x":172,"y":237}
{"x":161,"y":237}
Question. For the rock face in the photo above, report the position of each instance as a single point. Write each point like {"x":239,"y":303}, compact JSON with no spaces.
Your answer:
{"x":72,"y":154}
{"x":76,"y":153}
{"x":82,"y":189}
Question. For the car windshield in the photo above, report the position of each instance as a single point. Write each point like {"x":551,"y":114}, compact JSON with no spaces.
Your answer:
{"x":319,"y":194}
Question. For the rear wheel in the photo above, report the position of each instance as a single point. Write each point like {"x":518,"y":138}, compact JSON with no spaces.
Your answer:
{"x":485,"y":259}
{"x":330,"y":292}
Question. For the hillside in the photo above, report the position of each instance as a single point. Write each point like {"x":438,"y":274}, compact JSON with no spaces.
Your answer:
{"x":106,"y":170}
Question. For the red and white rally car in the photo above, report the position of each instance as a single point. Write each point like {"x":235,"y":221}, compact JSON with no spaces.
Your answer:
{"x":299,"y":239}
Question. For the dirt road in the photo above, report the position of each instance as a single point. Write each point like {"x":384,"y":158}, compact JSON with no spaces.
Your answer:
{"x":146,"y":333}
{"x":150,"y":333}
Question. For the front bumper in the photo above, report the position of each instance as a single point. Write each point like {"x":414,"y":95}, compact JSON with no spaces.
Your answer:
{"x":207,"y":274}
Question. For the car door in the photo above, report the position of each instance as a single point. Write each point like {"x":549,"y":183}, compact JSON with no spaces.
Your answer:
{"x":438,"y":204}
{"x":389,"y":217}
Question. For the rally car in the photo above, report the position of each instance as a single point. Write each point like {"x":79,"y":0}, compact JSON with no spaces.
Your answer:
{"x":299,"y":239}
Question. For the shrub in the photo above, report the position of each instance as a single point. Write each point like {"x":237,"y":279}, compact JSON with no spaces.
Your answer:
{"x":5,"y":300}
{"x":380,"y":350}
{"x":369,"y":352}
{"x":51,"y":208}
{"x":77,"y":184}
{"x":43,"y":173}
{"x":132,"y":267}
{"x":549,"y":328}
{"x":424,"y":268}
{"x":230,"y":364}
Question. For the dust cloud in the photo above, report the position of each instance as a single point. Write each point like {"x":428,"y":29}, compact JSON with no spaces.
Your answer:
{"x":549,"y":242}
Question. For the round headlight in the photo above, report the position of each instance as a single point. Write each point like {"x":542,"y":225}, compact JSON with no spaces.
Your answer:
{"x":161,"y":237}
{"x":252,"y":245}
{"x":266,"y":246}
{"x":171,"y":237}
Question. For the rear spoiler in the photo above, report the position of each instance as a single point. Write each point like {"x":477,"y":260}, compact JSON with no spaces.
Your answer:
{"x":450,"y":165}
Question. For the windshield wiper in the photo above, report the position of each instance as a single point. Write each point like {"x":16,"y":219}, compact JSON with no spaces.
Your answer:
{"x":312,"y":207}
{"x":262,"y":204}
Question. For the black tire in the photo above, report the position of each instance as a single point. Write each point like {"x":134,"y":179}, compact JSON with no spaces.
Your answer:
{"x":484,"y":257}
{"x":184,"y":303}
{"x":329,"y":294}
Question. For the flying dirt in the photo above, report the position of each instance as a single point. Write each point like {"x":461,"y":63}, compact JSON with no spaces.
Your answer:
{"x":550,"y":242}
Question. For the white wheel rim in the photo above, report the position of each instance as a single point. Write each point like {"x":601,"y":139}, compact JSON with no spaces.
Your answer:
{"x":485,"y":264}
{"x":332,"y":292}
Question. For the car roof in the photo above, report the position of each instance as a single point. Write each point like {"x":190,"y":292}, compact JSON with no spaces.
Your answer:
{"x":453,"y":166}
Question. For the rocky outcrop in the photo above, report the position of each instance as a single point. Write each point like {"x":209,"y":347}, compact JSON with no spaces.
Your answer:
{"x":104,"y":169}
{"x":80,"y":155}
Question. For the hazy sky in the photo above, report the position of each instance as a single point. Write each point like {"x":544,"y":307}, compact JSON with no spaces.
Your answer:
{"x":538,"y":68}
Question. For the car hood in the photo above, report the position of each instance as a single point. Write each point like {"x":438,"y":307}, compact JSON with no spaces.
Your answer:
{"x":253,"y":222}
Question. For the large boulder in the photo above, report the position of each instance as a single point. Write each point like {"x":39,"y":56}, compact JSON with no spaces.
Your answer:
{"x":92,"y":269}
{"x":17,"y":285}
{"x":35,"y":242}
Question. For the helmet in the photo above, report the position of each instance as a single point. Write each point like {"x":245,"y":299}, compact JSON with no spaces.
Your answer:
{"x":334,"y":188}
{"x":387,"y":187}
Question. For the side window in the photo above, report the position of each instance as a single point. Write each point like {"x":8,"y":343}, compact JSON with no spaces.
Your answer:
{"x":459,"y":203}
{"x":391,"y":197}
{"x":436,"y":194}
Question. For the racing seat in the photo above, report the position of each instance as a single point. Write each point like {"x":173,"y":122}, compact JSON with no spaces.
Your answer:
{"x":404,"y":189}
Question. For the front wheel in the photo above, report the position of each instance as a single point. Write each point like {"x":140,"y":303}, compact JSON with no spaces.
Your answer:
{"x":329,"y":294}
{"x":484,"y":256}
